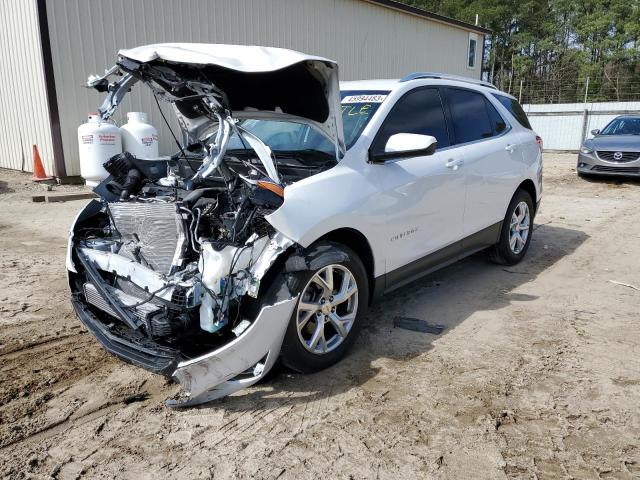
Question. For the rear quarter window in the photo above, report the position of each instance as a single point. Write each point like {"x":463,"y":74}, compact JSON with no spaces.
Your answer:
{"x":515,"y":109}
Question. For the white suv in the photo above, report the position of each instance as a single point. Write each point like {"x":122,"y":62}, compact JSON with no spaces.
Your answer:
{"x":292,"y":204}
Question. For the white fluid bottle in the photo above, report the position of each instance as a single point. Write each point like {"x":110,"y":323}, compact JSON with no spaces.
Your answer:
{"x":98,"y":141}
{"x":139,"y":138}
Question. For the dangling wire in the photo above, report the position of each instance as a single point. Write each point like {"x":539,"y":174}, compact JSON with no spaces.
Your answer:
{"x":155,"y":97}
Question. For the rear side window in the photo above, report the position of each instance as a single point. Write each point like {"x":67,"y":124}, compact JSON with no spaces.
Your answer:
{"x":515,"y":109}
{"x":470,"y":115}
{"x":497,"y":122}
{"x":419,"y":111}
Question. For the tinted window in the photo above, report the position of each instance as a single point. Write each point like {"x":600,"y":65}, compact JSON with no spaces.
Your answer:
{"x":419,"y":111}
{"x":469,"y":114}
{"x":497,"y":122}
{"x":515,"y":109}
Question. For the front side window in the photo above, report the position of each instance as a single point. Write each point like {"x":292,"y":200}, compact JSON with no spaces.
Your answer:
{"x":469,"y":114}
{"x":419,"y":111}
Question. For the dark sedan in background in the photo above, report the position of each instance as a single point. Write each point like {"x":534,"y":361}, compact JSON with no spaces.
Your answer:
{"x":614,"y":150}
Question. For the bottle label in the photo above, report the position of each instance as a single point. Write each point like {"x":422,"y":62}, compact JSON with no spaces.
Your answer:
{"x":148,"y":141}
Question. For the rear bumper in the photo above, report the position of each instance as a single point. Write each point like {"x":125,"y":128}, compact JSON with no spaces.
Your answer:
{"x":590,"y":164}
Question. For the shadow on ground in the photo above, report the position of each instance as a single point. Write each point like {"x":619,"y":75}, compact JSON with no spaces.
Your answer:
{"x":4,"y":187}
{"x":483,"y":285}
{"x":611,"y":180}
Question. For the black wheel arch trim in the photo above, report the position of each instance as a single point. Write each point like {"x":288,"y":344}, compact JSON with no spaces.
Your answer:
{"x":317,"y":256}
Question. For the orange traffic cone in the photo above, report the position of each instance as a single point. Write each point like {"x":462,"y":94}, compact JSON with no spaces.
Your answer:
{"x":39,"y":174}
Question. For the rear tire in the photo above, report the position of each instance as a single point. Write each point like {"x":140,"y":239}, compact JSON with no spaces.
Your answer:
{"x":516,"y":231}
{"x":320,"y":332}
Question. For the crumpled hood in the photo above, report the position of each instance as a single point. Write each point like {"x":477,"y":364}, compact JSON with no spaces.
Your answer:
{"x":622,"y":143}
{"x":256,"y":82}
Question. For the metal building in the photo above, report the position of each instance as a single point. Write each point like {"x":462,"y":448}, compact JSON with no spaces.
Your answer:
{"x":49,"y":47}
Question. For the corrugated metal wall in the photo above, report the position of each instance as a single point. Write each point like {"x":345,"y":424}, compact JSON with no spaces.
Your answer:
{"x":367,"y":40}
{"x":24,"y":117}
{"x":563,"y":125}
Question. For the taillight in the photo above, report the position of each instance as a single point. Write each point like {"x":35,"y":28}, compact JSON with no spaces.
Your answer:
{"x":539,"y":141}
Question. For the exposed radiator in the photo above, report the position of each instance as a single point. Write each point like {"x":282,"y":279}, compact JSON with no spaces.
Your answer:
{"x":153,"y":233}
{"x":143,"y":312}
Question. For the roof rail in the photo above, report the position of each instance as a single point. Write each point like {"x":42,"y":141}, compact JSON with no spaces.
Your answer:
{"x":446,"y":76}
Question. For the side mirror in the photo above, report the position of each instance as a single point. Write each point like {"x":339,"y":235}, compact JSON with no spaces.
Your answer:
{"x":405,"y":145}
{"x":595,"y":131}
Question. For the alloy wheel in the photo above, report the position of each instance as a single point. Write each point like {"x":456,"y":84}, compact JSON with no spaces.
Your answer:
{"x":519,"y":227}
{"x":327,"y":309}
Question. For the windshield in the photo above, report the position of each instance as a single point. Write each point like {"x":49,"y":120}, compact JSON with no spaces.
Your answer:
{"x":622,"y":126}
{"x":283,"y":136}
{"x":357,"y":109}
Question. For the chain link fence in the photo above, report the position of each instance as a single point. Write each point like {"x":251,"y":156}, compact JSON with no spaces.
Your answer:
{"x":570,"y":91}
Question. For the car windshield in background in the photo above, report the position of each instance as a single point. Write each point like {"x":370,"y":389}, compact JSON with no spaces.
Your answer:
{"x":622,"y":126}
{"x":357,"y":109}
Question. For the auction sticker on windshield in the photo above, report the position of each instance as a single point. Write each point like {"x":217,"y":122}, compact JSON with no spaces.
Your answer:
{"x":364,"y":99}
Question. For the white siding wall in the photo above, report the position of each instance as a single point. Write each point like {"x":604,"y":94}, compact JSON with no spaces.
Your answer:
{"x":561,"y":125}
{"x":24,"y":117}
{"x":367,"y":40}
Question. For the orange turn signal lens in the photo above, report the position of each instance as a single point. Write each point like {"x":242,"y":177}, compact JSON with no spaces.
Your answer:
{"x":273,"y":187}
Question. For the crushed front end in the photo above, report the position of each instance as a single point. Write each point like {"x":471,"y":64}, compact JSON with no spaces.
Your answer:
{"x":168,"y":276}
{"x":175,"y":268}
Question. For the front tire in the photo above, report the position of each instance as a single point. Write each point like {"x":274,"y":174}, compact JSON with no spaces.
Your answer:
{"x":333,"y":299}
{"x":517,"y":227}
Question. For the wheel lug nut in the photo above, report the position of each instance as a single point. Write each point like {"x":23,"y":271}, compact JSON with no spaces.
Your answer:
{"x":322,"y":300}
{"x":331,"y":299}
{"x":333,"y":309}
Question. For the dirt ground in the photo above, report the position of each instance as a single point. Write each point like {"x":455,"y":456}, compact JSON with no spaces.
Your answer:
{"x":537,"y":374}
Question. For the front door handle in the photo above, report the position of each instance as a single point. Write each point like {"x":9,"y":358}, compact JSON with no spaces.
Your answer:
{"x":510,"y":148}
{"x":454,"y":164}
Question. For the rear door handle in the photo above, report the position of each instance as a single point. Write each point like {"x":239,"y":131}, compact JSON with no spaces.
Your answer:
{"x":510,"y":148}
{"x":454,"y":164}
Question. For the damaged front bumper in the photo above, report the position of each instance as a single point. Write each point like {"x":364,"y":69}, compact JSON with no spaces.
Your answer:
{"x":238,"y":364}
{"x":223,"y":371}
{"x":117,"y":320}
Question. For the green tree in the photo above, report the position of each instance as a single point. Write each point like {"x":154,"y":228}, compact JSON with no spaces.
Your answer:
{"x":553,"y":46}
